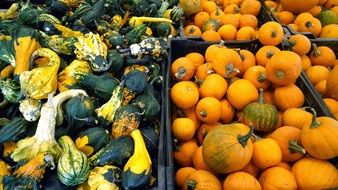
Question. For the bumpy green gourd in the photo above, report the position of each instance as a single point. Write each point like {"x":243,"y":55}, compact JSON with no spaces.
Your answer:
{"x":14,"y":130}
{"x":91,"y":140}
{"x":73,"y":166}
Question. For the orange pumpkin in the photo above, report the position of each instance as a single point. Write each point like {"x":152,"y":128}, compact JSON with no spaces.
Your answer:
{"x":284,"y":68}
{"x":191,"y":114}
{"x":246,"y":33}
{"x":204,"y":129}
{"x":248,"y":20}
{"x":183,"y":69}
{"x":214,"y":85}
{"x":323,"y":55}
{"x":230,"y":19}
{"x":321,"y":88}
{"x":208,"y":110}
{"x":182,"y":174}
{"x":184,"y":151}
{"x":332,"y":104}
{"x":202,"y":180}
{"x":285,"y":17}
{"x":201,"y":18}
{"x":301,"y":17}
{"x":212,"y":50}
{"x":227,"y":32}
{"x":306,"y":62}
{"x":217,"y":15}
{"x":288,"y":97}
{"x":241,"y":93}
{"x":330,"y":30}
{"x":184,"y":94}
{"x":252,"y":7}
{"x":271,"y":33}
{"x":248,"y":59}
{"x":209,"y":6}
{"x":298,"y":6}
{"x":266,"y":153}
{"x":228,"y":111}
{"x":242,"y":181}
{"x":227,"y":63}
{"x":231,"y":9}
{"x":198,"y":160}
{"x":312,"y":25}
{"x":284,"y":165}
{"x":315,"y":10}
{"x":265,"y":53}
{"x":228,"y":148}
{"x":331,"y":84}
{"x":192,"y":31}
{"x":312,"y":173}
{"x":211,"y":36}
{"x":288,"y":139}
{"x":183,"y":129}
{"x":317,"y":73}
{"x":257,"y":75}
{"x":293,"y":27}
{"x":278,"y":178}
{"x":300,"y":44}
{"x":252,"y":169}
{"x":271,"y":4}
{"x":196,"y":58}
{"x":319,"y":137}
{"x":291,"y":117}
{"x":203,"y":71}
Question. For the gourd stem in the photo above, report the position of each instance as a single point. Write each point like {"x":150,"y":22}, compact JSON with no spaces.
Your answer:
{"x":294,"y":147}
{"x":316,"y":51}
{"x":181,"y":72}
{"x":261,"y":96}
{"x":203,"y":113}
{"x":221,"y":43}
{"x":273,"y":34}
{"x":269,"y":54}
{"x":257,"y":138}
{"x":314,"y":123}
{"x":308,"y":24}
{"x":192,"y":184}
{"x":230,"y":69}
{"x":243,"y":139}
{"x":261,"y":77}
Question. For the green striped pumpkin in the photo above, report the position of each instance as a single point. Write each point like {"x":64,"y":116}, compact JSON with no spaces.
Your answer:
{"x":73,"y":166}
{"x":262,"y":116}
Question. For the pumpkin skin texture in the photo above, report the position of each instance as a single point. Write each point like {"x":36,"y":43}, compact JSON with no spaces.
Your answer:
{"x":332,"y":84}
{"x":257,"y":75}
{"x":266,"y":153}
{"x":184,"y":94}
{"x":312,"y":173}
{"x":202,"y":180}
{"x":265,"y":53}
{"x":214,"y":85}
{"x":322,"y":55}
{"x":298,"y":6}
{"x":198,"y":160}
{"x":271,"y":33}
{"x":288,"y":139}
{"x":291,"y":117}
{"x":312,"y":25}
{"x":183,"y":69}
{"x":262,"y":116}
{"x":203,"y":71}
{"x":252,"y":169}
{"x":204,"y":129}
{"x":284,"y":68}
{"x":317,"y":73}
{"x":276,"y":178}
{"x":209,"y":110}
{"x":211,"y":51}
{"x":184,"y":152}
{"x":288,"y":97}
{"x":183,"y":129}
{"x":228,"y":111}
{"x":241,"y":181}
{"x":319,"y":137}
{"x":241,"y":93}
{"x":300,"y":44}
{"x":228,"y":148}
{"x":227,"y":63}
{"x":182,"y":174}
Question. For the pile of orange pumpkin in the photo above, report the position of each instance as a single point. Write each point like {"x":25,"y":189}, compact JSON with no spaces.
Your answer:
{"x":226,"y":20}
{"x":238,"y":121}
{"x":320,"y":17}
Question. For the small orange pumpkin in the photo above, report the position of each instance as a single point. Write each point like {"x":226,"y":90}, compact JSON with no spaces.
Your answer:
{"x":301,"y":17}
{"x":322,"y":55}
{"x":291,"y":117}
{"x":312,"y":25}
{"x":227,"y":32}
{"x":248,"y":20}
{"x":191,"y":114}
{"x":202,"y":180}
{"x":285,"y":17}
{"x":227,"y":63}
{"x":241,"y":180}
{"x":306,"y":62}
{"x":184,"y":94}
{"x":209,"y":6}
{"x":182,"y":174}
{"x":183,"y":129}
{"x":212,"y":50}
{"x":264,"y":54}
{"x":331,"y":84}
{"x":184,"y":151}
{"x":217,"y":15}
{"x":248,"y":59}
{"x":289,"y":96}
{"x":278,"y":178}
{"x":204,"y":129}
{"x":201,"y":18}
{"x":317,"y":73}
{"x":332,"y":104}
{"x":183,"y":69}
{"x":241,"y":93}
{"x":203,"y":71}
{"x":329,"y":31}
{"x":271,"y":33}
{"x":214,"y":85}
{"x":257,"y":75}
{"x":196,"y":58}
{"x":252,"y":169}
{"x":321,"y":88}
{"x":252,"y":7}
{"x":230,"y":19}
{"x":246,"y":33}
{"x":266,"y":153}
{"x":284,"y":68}
{"x":192,"y":31}
{"x":211,"y":36}
{"x":284,"y":165}
{"x":208,"y":110}
{"x":228,"y":111}
{"x":300,"y":44}
{"x":298,"y":6}
{"x":231,"y":9}
{"x":198,"y":160}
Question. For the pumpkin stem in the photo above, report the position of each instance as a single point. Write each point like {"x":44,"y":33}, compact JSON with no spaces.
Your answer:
{"x":316,"y":51}
{"x":269,"y":54}
{"x":203,"y":113}
{"x":261,"y":96}
{"x":273,"y":34}
{"x":257,"y":138}
{"x":230,"y":69}
{"x":294,"y":147}
{"x":243,"y":139}
{"x":181,"y":72}
{"x":314,"y":123}
{"x":192,"y":184}
{"x":308,"y":24}
{"x":279,"y":74}
{"x":221,"y":43}
{"x":261,"y":77}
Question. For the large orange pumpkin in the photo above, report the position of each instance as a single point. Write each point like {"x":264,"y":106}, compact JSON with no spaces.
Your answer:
{"x":319,"y":137}
{"x":228,"y":148}
{"x":241,"y":93}
{"x":241,"y":181}
{"x":298,"y":6}
{"x":312,"y":173}
{"x":202,"y":180}
{"x":332,"y":84}
{"x":227,"y":63}
{"x":278,"y":178}
{"x":288,"y":139}
{"x":284,"y":68}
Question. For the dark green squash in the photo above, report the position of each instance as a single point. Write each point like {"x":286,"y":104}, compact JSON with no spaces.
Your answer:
{"x":99,"y":86}
{"x":29,"y":16}
{"x":148,"y":103}
{"x":116,"y":60}
{"x":134,"y":36}
{"x":117,"y":151}
{"x":11,"y":182}
{"x":135,"y":82}
{"x":94,"y":14}
{"x":114,"y":39}
{"x":82,"y":9}
{"x":150,"y":131}
{"x":14,"y":130}
{"x":51,"y":181}
{"x":58,"y":9}
{"x":137,"y":170}
{"x":127,"y":119}
{"x":92,"y":140}
{"x":163,"y":29}
{"x":262,"y":116}
{"x":103,"y":27}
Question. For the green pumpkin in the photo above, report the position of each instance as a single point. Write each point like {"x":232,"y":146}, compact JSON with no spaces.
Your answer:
{"x":137,"y":170}
{"x":114,"y":39}
{"x":327,"y":17}
{"x":163,"y":29}
{"x":106,"y":177}
{"x":14,"y":130}
{"x":135,"y":82}
{"x":116,"y":60}
{"x":262,"y":116}
{"x":150,"y":131}
{"x":117,"y":151}
{"x":91,"y":140}
{"x":73,"y":166}
{"x":134,"y":36}
{"x":148,"y":103}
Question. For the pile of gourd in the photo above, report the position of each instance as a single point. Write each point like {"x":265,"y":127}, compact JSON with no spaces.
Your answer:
{"x":80,"y":90}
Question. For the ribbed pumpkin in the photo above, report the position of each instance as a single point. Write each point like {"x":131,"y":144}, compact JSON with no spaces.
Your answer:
{"x":319,"y":137}
{"x":241,"y":180}
{"x":332,"y":84}
{"x":228,"y":148}
{"x":298,"y":6}
{"x":263,"y":116}
{"x":278,"y":178}
{"x":73,"y":166}
{"x":202,"y":180}
{"x":227,"y":63}
{"x":312,"y":173}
